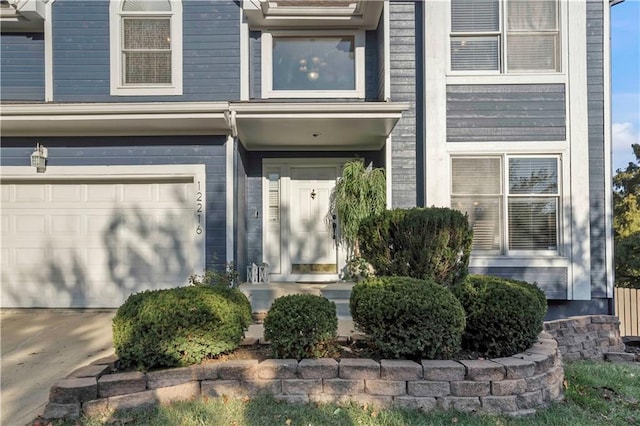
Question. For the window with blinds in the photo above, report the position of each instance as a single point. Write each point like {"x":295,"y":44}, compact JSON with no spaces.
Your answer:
{"x":505,"y":35}
{"x":146,"y":42}
{"x":146,"y":51}
{"x":526,"y":193}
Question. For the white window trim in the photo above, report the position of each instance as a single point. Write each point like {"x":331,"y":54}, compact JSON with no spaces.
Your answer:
{"x":267,"y":68}
{"x":519,"y":77}
{"x":115,"y":31}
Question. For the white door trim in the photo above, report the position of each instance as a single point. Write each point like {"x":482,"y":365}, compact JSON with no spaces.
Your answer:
{"x":283,"y":167}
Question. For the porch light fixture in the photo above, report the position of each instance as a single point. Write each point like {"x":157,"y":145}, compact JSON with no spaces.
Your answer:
{"x":39,"y":158}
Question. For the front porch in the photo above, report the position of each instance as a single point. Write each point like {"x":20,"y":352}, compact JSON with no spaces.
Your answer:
{"x":262,"y":295}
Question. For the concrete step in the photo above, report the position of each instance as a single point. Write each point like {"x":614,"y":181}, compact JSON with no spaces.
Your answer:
{"x":342,"y":308}
{"x":337,"y":291}
{"x":262,"y":297}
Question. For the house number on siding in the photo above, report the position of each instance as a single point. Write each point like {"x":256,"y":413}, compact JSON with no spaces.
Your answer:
{"x":199,"y":208}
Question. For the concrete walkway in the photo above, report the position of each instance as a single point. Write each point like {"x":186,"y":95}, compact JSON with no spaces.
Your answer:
{"x":40,"y":347}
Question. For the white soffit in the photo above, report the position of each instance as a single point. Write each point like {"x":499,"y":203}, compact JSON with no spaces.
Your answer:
{"x":314,"y":126}
{"x":273,"y":14}
{"x":134,"y":119}
{"x":23,"y":15}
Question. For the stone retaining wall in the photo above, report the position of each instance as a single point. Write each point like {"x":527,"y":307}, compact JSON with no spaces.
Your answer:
{"x":513,"y":385}
{"x":593,"y":337}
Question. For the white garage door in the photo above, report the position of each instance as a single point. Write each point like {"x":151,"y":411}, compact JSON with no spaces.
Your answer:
{"x":73,"y":242}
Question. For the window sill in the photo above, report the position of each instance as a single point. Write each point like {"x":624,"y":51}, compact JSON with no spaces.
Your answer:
{"x":146,"y":91}
{"x":495,"y":78}
{"x":320,"y":94}
{"x":542,"y":260}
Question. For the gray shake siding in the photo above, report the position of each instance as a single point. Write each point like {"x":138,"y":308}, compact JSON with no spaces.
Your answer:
{"x":131,"y":151}
{"x":81,"y":55}
{"x":22,"y":67}
{"x":403,"y":46}
{"x":595,"y":97}
{"x":497,"y":112}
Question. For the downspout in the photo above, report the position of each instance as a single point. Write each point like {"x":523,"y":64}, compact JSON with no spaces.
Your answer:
{"x":609,"y":245}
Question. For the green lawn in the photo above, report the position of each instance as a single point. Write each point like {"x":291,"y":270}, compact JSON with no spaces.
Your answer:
{"x":597,"y":394}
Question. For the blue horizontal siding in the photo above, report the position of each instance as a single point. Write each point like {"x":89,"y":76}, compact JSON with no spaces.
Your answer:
{"x":134,"y":151}
{"x":22,"y":67}
{"x":211,"y":52}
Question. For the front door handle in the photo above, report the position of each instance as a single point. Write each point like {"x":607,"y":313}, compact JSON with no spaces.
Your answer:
{"x":334,"y":226}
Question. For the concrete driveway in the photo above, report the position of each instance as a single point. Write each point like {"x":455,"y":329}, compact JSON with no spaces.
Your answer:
{"x":40,"y":347}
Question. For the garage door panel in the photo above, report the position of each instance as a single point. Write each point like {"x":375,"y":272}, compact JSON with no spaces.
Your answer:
{"x":138,"y":193}
{"x":103,"y":193}
{"x":26,"y":193}
{"x":67,"y":224}
{"x":29,"y":224}
{"x":67,"y":193}
{"x":5,"y":193}
{"x":92,"y":244}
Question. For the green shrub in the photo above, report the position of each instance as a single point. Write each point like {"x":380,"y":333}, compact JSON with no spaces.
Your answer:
{"x":179,"y":326}
{"x":425,"y":243}
{"x":301,"y":326}
{"x":504,"y":316}
{"x":407,"y":317}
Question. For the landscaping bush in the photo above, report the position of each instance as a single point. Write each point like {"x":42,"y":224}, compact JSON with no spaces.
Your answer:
{"x":425,"y":243}
{"x":301,"y":326}
{"x":407,"y":317}
{"x":504,"y":316}
{"x":179,"y":326}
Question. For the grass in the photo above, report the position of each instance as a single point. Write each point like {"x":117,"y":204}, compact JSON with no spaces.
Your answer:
{"x":597,"y":393}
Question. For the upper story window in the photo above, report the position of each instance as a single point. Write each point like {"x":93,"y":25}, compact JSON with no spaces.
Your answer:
{"x":320,"y":65}
{"x":146,"y":47}
{"x":506,"y":36}
{"x":513,"y":202}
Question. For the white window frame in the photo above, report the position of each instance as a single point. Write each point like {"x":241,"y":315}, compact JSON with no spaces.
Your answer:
{"x":515,"y":77}
{"x":267,"y":65}
{"x":118,"y":87}
{"x":505,"y":251}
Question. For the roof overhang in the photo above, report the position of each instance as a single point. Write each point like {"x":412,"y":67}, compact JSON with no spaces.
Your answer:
{"x":105,"y":119}
{"x":315,"y":126}
{"x":23,"y":15}
{"x":274,"y":14}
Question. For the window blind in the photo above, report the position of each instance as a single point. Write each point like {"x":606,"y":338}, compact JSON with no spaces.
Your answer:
{"x":532,"y":223}
{"x":476,"y":175}
{"x":147,"y":51}
{"x":533,"y":176}
{"x":475,"y":16}
{"x":533,"y":42}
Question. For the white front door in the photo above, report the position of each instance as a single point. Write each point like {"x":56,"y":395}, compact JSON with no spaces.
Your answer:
{"x":299,"y":240}
{"x":312,"y":245}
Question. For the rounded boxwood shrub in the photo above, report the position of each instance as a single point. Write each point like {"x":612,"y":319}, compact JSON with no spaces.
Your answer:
{"x":425,"y":243}
{"x":504,"y":316}
{"x":407,"y":317}
{"x":179,"y":326}
{"x":301,"y":326}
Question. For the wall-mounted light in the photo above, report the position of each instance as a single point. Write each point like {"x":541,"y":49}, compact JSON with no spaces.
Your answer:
{"x":39,"y":158}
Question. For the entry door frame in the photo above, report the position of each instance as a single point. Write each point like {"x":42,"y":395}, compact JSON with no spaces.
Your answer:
{"x":276,"y":237}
